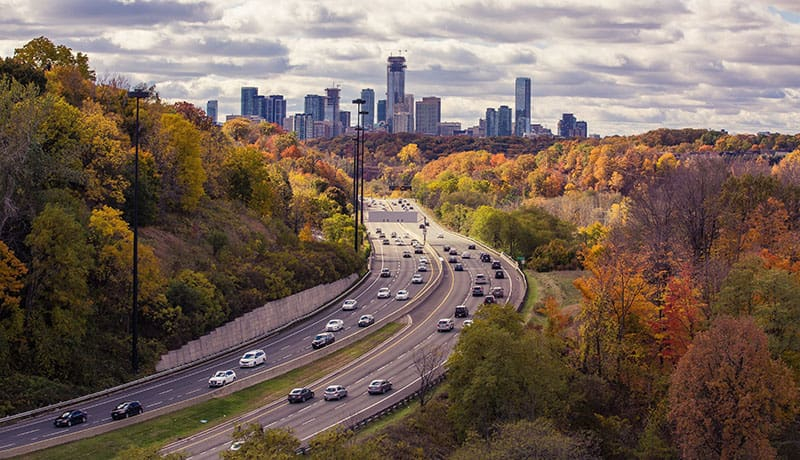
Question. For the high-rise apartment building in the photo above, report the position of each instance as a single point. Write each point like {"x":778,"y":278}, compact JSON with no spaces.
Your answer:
{"x":332,"y":110}
{"x":315,"y":105}
{"x":344,"y":119}
{"x":368,"y":95}
{"x":275,"y":109}
{"x":249,"y":95}
{"x":491,"y":122}
{"x":212,"y":110}
{"x":581,"y":129}
{"x":408,"y":107}
{"x":304,"y":126}
{"x":395,"y":87}
{"x":504,"y":121}
{"x":429,"y":115}
{"x":522,"y":107}
{"x":566,"y":126}
{"x":381,"y":111}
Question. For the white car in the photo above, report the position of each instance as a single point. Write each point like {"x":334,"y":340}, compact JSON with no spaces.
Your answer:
{"x":423,"y":260}
{"x":384,"y":293}
{"x":336,"y":392}
{"x":334,"y":325}
{"x":467,"y":322}
{"x":221,"y":378}
{"x":402,"y":294}
{"x":416,"y":279}
{"x":422,"y":268}
{"x":253,"y":358}
{"x":349,"y":304}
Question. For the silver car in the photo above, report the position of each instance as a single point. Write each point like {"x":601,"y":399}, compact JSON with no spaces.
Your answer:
{"x":335,"y":392}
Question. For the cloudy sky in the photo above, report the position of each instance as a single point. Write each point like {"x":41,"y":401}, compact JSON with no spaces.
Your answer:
{"x":623,"y":66}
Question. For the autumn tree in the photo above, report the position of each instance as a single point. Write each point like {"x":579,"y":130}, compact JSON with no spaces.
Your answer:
{"x":728,"y":397}
{"x":180,"y":163}
{"x":258,"y":443}
{"x":12,"y":273}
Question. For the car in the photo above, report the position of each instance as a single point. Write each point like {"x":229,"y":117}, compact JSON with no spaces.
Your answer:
{"x":236,"y":445}
{"x":496,"y":265}
{"x":446,"y":248}
{"x":480,"y":278}
{"x":378,"y":230}
{"x":380,"y":386}
{"x":467,"y":322}
{"x":418,"y":250}
{"x":334,"y":325}
{"x":322,"y":339}
{"x":498,"y":291}
{"x":414,"y":242}
{"x":458,"y":267}
{"x":416,"y":279}
{"x":489,"y":299}
{"x":441,"y":235}
{"x":406,"y":254}
{"x":384,"y":293}
{"x":399,"y":242}
{"x":445,"y":325}
{"x":423,"y":260}
{"x":70,"y":418}
{"x":394,"y":235}
{"x":366,"y":320}
{"x":336,"y":392}
{"x":385,"y":273}
{"x":253,"y":358}
{"x":452,"y":259}
{"x":453,"y":252}
{"x":421,"y":225}
{"x":422,"y":268}
{"x":300,"y":395}
{"x":402,"y":294}
{"x":461,"y":311}
{"x":386,"y":241}
{"x":485,"y":257}
{"x":477,"y":291}
{"x":499,"y":274}
{"x":465,"y":255}
{"x":127,"y":409}
{"x":350,"y":304}
{"x":221,"y":378}
{"x":471,"y":246}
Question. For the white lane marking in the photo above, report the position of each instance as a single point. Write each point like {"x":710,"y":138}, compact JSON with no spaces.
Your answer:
{"x":166,"y":391}
{"x":7,"y":446}
{"x":28,"y":432}
{"x":193,"y":391}
{"x":156,"y":403}
{"x":308,"y":421}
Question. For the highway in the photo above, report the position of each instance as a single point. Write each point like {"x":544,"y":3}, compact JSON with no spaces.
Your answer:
{"x":442,"y":289}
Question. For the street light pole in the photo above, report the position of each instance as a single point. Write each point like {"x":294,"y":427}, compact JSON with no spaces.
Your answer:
{"x":361,"y":128}
{"x":356,"y":204}
{"x":138,"y":94}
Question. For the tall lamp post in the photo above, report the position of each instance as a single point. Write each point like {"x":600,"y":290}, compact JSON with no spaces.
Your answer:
{"x":361,"y":129}
{"x":356,"y":205}
{"x":137,"y":94}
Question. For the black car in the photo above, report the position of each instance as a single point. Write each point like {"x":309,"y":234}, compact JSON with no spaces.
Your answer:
{"x":461,"y":311}
{"x":471,"y":246}
{"x":477,"y":291}
{"x":127,"y":409}
{"x":496,"y":264}
{"x":446,"y":248}
{"x":379,"y":387}
{"x":499,"y":274}
{"x":322,"y":339}
{"x":459,"y":267}
{"x":452,"y":259}
{"x":485,"y":257}
{"x":70,"y":418}
{"x":300,"y":395}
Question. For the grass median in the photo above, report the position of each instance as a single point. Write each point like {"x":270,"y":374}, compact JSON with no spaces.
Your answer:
{"x":185,"y":422}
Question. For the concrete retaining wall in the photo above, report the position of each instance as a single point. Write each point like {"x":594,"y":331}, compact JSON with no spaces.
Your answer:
{"x":256,"y":323}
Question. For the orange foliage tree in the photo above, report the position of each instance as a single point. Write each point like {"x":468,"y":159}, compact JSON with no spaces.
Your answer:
{"x":728,"y":396}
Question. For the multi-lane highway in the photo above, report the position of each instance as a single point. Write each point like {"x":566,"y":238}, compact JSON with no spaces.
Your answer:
{"x":442,"y":289}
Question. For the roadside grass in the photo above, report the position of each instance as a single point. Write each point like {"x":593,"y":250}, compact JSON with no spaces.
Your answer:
{"x":557,"y":285}
{"x":185,"y":422}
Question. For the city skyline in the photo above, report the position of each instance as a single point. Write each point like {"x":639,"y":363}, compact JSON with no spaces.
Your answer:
{"x":626,"y":67}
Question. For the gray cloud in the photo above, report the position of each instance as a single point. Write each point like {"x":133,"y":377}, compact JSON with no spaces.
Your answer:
{"x":119,"y":13}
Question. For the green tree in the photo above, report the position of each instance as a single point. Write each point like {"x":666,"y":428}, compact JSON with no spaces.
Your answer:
{"x":181,"y":164}
{"x":41,"y":53}
{"x":727,"y":396}
{"x":259,"y":443}
{"x":496,"y":358}
{"x":202,"y":305}
{"x":58,"y":299}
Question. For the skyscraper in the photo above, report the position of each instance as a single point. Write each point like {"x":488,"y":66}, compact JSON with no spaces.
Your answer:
{"x":395,"y":86}
{"x":522,"y":112}
{"x":429,"y":115}
{"x":276,"y":109}
{"x":332,"y":110}
{"x":212,"y":110}
{"x":315,"y":105}
{"x":344,"y":119}
{"x":368,"y":95}
{"x":491,"y":122}
{"x":249,"y":95}
{"x":304,"y":126}
{"x":381,"y":111}
{"x":504,"y":121}
{"x":566,"y":126}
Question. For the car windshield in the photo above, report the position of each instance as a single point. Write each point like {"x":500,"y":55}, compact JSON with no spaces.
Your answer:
{"x":297,"y":391}
{"x":248,"y":355}
{"x":220,"y":374}
{"x":65,"y":415}
{"x":122,"y":405}
{"x":331,"y":389}
{"x":319,"y":336}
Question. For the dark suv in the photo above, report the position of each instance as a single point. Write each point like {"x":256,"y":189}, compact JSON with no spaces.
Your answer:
{"x":477,"y":291}
{"x":461,"y":311}
{"x":70,"y":418}
{"x":127,"y":409}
